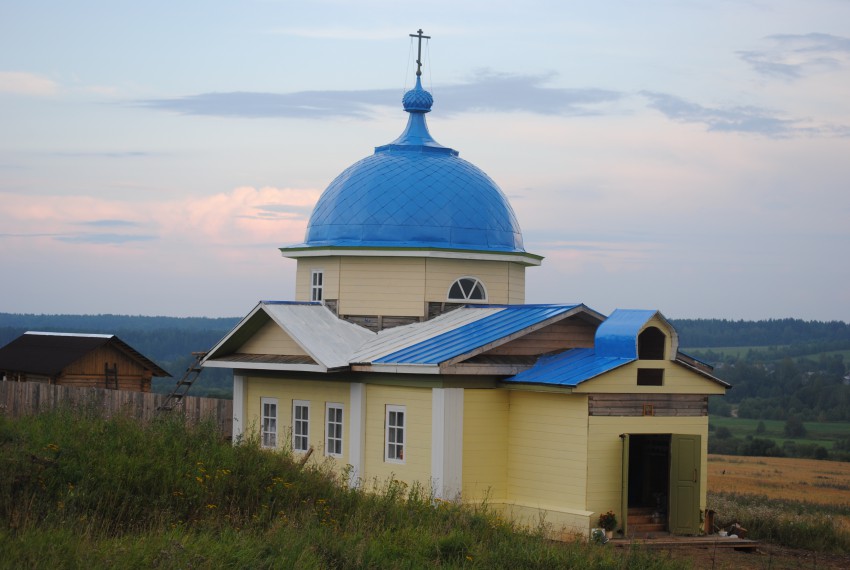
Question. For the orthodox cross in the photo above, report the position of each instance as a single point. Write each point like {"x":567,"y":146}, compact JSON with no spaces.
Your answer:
{"x":419,"y":35}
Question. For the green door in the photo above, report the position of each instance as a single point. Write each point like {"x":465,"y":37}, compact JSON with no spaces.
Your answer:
{"x":624,"y":487}
{"x":685,"y":455}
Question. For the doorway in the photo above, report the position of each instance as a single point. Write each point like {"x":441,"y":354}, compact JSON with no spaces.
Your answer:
{"x":661,"y":481}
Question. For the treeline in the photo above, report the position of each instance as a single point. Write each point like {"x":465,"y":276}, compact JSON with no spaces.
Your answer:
{"x":705,"y":333}
{"x":168,"y":341}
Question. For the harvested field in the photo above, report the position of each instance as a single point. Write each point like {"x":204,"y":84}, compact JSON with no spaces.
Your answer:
{"x":806,"y":480}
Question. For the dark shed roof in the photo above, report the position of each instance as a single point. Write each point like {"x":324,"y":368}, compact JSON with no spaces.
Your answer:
{"x":47,"y":354}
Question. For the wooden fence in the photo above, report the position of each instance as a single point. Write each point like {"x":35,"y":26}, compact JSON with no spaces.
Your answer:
{"x":24,"y":398}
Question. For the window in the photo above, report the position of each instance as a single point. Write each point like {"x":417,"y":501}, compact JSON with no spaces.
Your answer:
{"x":651,"y":344}
{"x":467,"y":289}
{"x":395,"y":434}
{"x":300,"y":425}
{"x":317,"y":280}
{"x":650,"y":377}
{"x":333,"y":430}
{"x":268,"y":433}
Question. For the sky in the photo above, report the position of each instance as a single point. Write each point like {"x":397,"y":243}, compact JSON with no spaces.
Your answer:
{"x":686,"y":156}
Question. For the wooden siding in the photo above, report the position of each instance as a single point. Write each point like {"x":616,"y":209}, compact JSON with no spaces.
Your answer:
{"x":417,"y":450}
{"x":485,"y":453}
{"x":318,"y":393}
{"x":605,"y":448}
{"x":547,"y":448}
{"x":677,"y":380}
{"x":330,"y":278}
{"x":569,"y":333}
{"x":516,"y":284}
{"x":88,"y":371}
{"x":271,"y":339}
{"x":647,"y":404}
{"x":389,"y":286}
{"x":25,"y":398}
{"x":498,"y":278}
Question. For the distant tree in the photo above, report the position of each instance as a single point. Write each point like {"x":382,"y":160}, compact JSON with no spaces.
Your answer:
{"x":760,"y":428}
{"x":794,"y":427}
{"x":723,"y":433}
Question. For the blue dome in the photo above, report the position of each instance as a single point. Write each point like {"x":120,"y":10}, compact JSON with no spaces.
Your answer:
{"x":414,"y":193}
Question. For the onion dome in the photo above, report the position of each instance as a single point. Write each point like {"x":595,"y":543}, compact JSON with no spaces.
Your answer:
{"x":413,"y":193}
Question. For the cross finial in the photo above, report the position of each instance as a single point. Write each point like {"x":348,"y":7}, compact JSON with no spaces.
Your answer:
{"x":419,"y":35}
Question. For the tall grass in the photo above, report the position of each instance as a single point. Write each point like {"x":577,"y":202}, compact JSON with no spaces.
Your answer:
{"x":796,"y":524}
{"x":78,"y":490}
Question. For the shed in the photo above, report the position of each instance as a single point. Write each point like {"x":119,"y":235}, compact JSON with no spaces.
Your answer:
{"x":78,"y":360}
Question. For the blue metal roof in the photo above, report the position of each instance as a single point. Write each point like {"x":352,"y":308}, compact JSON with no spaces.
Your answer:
{"x":615,"y":344}
{"x":568,"y":368}
{"x":414,"y":193}
{"x":618,"y":334}
{"x":464,"y":339}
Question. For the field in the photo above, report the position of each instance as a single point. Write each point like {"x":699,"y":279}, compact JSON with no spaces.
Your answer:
{"x":819,"y":433}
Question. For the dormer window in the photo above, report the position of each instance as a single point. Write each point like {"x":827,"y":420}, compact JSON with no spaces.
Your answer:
{"x":467,"y":289}
{"x":651,"y":344}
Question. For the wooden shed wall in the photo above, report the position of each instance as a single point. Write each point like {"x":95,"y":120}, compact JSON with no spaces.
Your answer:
{"x":88,"y":371}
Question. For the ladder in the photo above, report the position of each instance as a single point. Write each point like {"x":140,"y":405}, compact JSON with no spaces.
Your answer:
{"x":182,"y":387}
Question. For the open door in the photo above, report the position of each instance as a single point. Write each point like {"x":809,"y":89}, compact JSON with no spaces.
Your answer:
{"x":685,"y":455}
{"x":624,"y":485}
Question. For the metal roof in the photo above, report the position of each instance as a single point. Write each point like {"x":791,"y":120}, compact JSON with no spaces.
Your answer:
{"x":568,"y":368}
{"x":47,"y":353}
{"x":618,"y":335}
{"x":414,"y":193}
{"x":390,"y":341}
{"x":328,"y":340}
{"x":463,"y":339}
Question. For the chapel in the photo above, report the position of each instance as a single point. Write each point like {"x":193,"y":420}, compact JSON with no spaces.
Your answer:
{"x":409,"y":352}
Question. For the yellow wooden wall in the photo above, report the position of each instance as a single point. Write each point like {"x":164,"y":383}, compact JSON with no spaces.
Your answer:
{"x":417,"y":449}
{"x":328,"y":265}
{"x":546,"y":449}
{"x":485,"y":450}
{"x":677,"y":380}
{"x":271,"y":339}
{"x":401,"y":286}
{"x":605,"y":448}
{"x":318,"y":393}
{"x":503,"y":280}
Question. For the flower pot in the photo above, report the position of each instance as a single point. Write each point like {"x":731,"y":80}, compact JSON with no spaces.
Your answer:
{"x":609,"y":534}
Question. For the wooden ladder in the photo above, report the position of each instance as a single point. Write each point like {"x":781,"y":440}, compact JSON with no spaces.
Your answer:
{"x":182,"y":387}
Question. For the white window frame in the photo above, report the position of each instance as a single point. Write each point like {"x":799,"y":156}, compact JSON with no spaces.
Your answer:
{"x":466,"y":299}
{"x":317,"y":285}
{"x":268,"y":422}
{"x":300,"y":426}
{"x":394,"y":451}
{"x":334,"y":429}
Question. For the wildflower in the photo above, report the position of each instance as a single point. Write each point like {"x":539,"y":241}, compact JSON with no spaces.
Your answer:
{"x":52,"y":447}
{"x":468,"y":557}
{"x":211,"y":506}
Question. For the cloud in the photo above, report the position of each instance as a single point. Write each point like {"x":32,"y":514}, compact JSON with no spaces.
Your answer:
{"x":487,"y":91}
{"x":22,"y":83}
{"x":743,"y":119}
{"x":243,"y":217}
{"x":792,"y":56}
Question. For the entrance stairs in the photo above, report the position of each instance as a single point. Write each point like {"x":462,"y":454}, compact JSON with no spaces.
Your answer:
{"x":640,"y":524}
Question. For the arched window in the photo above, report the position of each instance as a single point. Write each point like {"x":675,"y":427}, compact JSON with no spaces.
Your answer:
{"x":467,"y":289}
{"x":651,"y":344}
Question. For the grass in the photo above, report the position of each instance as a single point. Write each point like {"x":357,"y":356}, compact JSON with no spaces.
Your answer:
{"x":800,"y":503}
{"x":79,"y":490}
{"x":819,"y":433}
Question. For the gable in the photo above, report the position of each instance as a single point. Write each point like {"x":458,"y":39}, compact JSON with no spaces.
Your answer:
{"x":271,"y":339}
{"x":676,"y":379}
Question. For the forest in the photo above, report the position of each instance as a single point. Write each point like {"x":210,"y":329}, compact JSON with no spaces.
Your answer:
{"x":780,"y":369}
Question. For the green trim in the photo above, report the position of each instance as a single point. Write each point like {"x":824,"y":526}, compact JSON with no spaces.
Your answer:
{"x":343,"y":248}
{"x":378,"y":379}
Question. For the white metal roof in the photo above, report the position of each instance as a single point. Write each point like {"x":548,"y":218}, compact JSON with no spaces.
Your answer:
{"x":390,"y":340}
